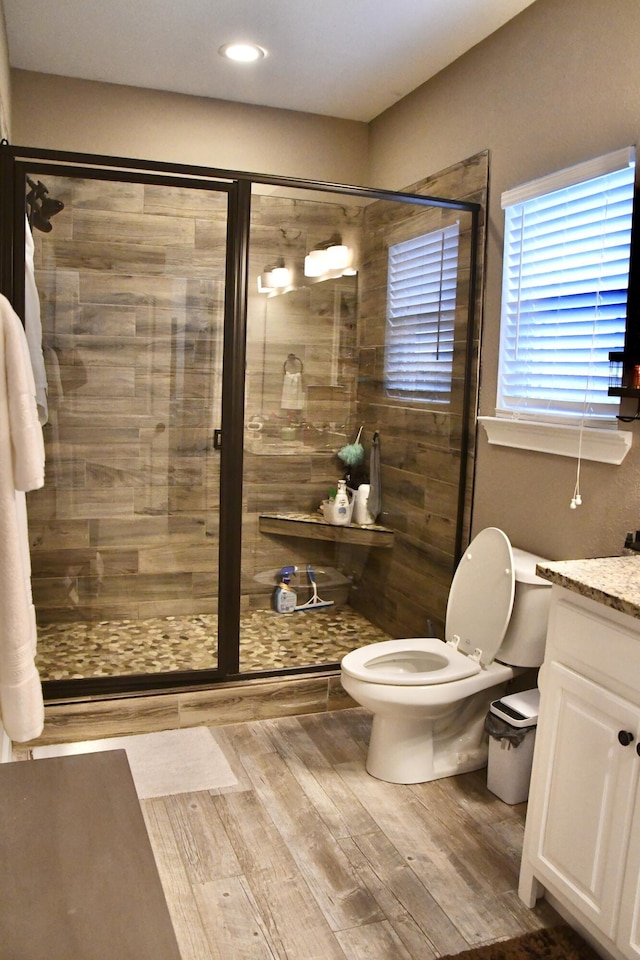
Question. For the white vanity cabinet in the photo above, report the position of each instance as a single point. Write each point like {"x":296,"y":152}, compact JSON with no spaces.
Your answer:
{"x":582,"y":835}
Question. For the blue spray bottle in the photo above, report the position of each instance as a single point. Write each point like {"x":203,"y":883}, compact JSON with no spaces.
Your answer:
{"x":284,"y":596}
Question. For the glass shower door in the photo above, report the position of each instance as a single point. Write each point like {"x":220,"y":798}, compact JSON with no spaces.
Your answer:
{"x":124,"y":535}
{"x":328,"y":295}
{"x":301,"y":408}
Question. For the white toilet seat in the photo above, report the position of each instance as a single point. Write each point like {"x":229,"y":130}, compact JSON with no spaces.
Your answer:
{"x":419,"y":661}
{"x":478,"y":612}
{"x":481,"y":596}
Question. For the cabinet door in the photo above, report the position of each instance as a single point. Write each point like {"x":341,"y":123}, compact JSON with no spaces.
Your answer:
{"x":629,"y":928}
{"x":583,"y":815}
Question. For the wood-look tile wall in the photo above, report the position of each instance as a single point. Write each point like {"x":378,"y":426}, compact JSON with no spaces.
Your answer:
{"x":291,"y":462}
{"x":131,"y":281}
{"x":403,"y":589}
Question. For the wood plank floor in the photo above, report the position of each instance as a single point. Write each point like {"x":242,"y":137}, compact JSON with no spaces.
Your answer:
{"x":309,"y":858}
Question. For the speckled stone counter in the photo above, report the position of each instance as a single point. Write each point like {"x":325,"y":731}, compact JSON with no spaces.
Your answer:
{"x":613,"y":581}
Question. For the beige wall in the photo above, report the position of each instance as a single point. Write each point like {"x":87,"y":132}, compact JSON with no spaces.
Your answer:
{"x":5,"y":78}
{"x":559,"y":84}
{"x":61,"y":113}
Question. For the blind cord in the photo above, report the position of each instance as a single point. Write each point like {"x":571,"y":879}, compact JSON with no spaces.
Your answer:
{"x":576,"y":499}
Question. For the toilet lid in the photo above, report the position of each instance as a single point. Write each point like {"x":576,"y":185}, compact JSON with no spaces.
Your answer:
{"x":481,"y":596}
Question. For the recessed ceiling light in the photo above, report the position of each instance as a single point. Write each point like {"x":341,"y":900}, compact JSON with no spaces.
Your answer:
{"x":242,"y":52}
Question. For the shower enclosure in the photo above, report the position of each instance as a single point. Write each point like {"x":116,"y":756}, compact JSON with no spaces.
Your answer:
{"x":211,"y":340}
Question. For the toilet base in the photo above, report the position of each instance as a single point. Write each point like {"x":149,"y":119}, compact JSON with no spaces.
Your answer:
{"x":418,"y":749}
{"x":402,"y":751}
{"x":399,"y":752}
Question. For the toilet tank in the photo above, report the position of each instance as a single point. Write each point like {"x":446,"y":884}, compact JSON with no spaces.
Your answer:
{"x":524,"y":642}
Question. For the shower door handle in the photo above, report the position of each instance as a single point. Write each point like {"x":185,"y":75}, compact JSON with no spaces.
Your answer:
{"x":217,"y":439}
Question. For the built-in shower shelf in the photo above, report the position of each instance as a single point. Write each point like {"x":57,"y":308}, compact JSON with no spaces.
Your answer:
{"x":315,"y":527}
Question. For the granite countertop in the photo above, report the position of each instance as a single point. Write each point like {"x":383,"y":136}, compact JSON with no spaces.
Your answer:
{"x":613,"y":581}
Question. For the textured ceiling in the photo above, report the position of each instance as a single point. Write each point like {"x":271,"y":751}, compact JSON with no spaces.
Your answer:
{"x":341,"y":58}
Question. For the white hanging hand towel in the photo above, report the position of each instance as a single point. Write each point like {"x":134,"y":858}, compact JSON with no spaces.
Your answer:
{"x":21,"y":469}
{"x":292,"y":393}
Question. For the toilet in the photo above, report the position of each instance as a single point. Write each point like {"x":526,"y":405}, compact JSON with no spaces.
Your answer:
{"x":429,"y":697}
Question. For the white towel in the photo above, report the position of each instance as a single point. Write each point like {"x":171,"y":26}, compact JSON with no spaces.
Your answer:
{"x":292,"y":394}
{"x":33,"y":325}
{"x":21,"y":469}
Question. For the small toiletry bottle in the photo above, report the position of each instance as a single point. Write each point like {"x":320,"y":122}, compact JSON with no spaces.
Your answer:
{"x":361,"y":513}
{"x":284,"y":596}
{"x":341,"y":504}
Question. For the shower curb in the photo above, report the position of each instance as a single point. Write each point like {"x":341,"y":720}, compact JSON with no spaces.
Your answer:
{"x":234,"y":702}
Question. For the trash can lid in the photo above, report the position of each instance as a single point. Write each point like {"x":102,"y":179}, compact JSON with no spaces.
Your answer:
{"x":518,"y":709}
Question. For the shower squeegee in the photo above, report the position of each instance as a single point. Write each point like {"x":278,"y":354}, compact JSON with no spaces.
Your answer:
{"x":314,"y":602}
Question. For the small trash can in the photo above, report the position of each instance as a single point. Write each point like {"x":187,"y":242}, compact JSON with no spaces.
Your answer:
{"x":511,"y":725}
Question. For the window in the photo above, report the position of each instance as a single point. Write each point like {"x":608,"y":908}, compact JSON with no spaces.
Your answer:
{"x":421,"y":306}
{"x":566,"y":270}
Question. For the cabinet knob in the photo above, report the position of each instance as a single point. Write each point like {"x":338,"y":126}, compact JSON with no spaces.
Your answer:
{"x":625,"y":737}
{"x":638,"y":749}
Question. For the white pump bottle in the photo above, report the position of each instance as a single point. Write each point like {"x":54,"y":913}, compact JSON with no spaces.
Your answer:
{"x":341,"y":504}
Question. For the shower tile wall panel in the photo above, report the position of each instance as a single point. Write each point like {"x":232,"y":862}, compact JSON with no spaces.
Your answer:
{"x":403,"y":589}
{"x":131,"y":281}
{"x":316,"y":322}
{"x":303,"y":321}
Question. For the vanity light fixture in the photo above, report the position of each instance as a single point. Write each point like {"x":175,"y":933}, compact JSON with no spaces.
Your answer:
{"x":330,"y":257}
{"x":280,"y":276}
{"x":274,"y":278}
{"x":315,"y":263}
{"x":265,"y":281}
{"x":337,"y":255}
{"x":242,"y":52}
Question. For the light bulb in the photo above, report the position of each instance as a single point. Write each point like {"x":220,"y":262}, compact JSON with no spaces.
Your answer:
{"x":242,"y":52}
{"x":280,"y":277}
{"x":265,"y":280}
{"x":315,"y":263}
{"x":337,"y":256}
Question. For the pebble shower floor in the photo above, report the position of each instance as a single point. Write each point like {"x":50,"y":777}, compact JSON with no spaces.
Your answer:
{"x":269,"y":641}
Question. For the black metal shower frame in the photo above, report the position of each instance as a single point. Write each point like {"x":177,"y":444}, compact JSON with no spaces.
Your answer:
{"x":15,"y":162}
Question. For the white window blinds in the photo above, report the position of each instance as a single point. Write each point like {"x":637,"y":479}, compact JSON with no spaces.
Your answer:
{"x":566,"y":271}
{"x":421,"y":304}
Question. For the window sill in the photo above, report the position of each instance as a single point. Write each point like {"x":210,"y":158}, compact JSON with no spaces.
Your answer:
{"x":605,"y":446}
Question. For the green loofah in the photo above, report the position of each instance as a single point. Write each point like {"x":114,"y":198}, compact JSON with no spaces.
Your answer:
{"x":353,"y":453}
